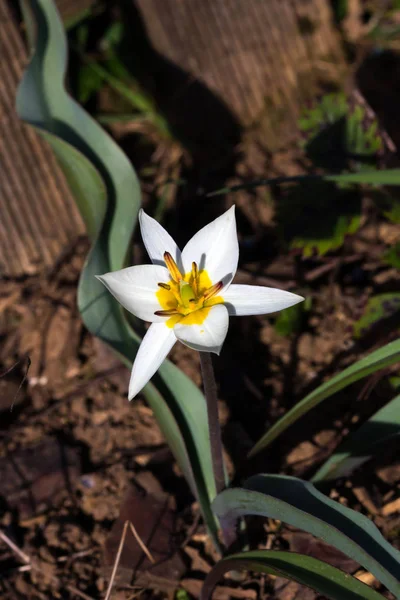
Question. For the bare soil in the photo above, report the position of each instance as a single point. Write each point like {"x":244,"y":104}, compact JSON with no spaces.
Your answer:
{"x":77,"y":459}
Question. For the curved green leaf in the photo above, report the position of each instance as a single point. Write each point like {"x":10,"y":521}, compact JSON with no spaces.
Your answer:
{"x":361,"y":445}
{"x":108,"y":195}
{"x":300,"y":504}
{"x":83,"y":178}
{"x":321,"y":577}
{"x":384,"y":357}
{"x":42,"y":100}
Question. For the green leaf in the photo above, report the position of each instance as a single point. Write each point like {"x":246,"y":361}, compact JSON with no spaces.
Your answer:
{"x":323,"y":127}
{"x":384,"y":177}
{"x":89,"y":82}
{"x":363,"y":138}
{"x":394,"y":382}
{"x":321,"y":577}
{"x":43,"y":101}
{"x":361,"y":445}
{"x":342,"y":132}
{"x":315,"y":216}
{"x":340,"y":8}
{"x":327,"y":111}
{"x":108,"y":195}
{"x":378,"y":308}
{"x":291,"y":320}
{"x":381,"y":358}
{"x":300,"y":504}
{"x":392,"y":212}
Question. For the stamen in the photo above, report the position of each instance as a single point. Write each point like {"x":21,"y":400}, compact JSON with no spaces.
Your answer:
{"x":172,"y":267}
{"x":214,"y":289}
{"x":195,"y":274}
{"x":166,"y":313}
{"x":164,"y":286}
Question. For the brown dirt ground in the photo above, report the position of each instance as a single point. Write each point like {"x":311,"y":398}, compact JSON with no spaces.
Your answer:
{"x":77,"y":459}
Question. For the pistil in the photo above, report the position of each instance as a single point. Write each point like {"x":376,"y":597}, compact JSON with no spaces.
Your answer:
{"x":187,"y":293}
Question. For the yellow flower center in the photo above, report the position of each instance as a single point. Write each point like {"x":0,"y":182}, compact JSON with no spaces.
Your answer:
{"x":187,"y":298}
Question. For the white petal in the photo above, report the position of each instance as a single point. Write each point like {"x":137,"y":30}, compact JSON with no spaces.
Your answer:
{"x":154,"y":348}
{"x":256,"y":300}
{"x":215,"y":248}
{"x":210,"y":335}
{"x":157,"y":240}
{"x":135,"y":288}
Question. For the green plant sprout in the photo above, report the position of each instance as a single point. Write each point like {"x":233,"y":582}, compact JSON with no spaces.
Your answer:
{"x":188,"y":296}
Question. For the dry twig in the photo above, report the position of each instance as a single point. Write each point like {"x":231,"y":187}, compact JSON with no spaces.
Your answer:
{"x":32,"y":565}
{"x":119,"y":552}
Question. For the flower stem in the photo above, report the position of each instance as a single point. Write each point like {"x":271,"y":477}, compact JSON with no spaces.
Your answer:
{"x":210,"y":390}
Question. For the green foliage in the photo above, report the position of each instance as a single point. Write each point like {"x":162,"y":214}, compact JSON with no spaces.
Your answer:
{"x":89,"y":83}
{"x":392,"y":256}
{"x":108,"y":69}
{"x":386,"y":27}
{"x":316,"y":217}
{"x":362,"y":137}
{"x":384,"y":177}
{"x":374,"y":178}
{"x":291,"y":320}
{"x":340,"y":133}
{"x":395,"y":382}
{"x":381,"y":358}
{"x":317,"y":118}
{"x":301,"y":505}
{"x":182,"y":594}
{"x":340,"y":8}
{"x":108,"y":195}
{"x":378,"y":309}
{"x":321,"y":577}
{"x":364,"y":443}
{"x":392,"y":212}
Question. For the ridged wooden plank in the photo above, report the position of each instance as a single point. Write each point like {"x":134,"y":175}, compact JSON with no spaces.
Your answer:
{"x":262,"y":58}
{"x":38,"y":216}
{"x":70,"y":9}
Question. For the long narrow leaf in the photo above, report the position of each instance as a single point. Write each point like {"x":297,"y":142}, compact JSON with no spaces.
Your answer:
{"x":384,"y":177}
{"x":300,"y":504}
{"x":363,"y":443}
{"x":107,"y":193}
{"x":42,"y":100}
{"x":321,"y":577}
{"x":384,"y":357}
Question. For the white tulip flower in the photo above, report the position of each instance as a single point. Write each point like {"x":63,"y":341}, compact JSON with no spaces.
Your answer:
{"x":188,"y":295}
